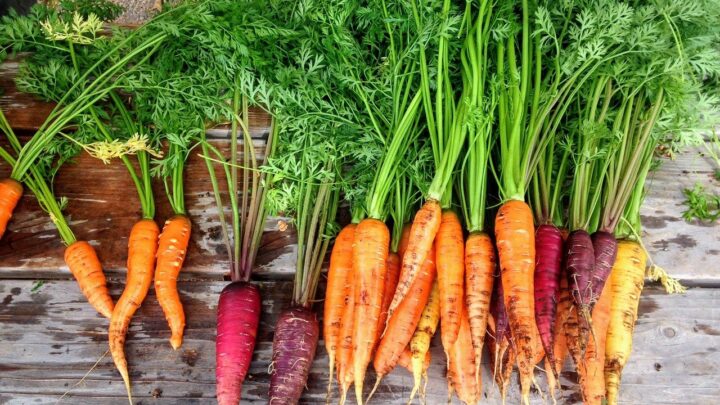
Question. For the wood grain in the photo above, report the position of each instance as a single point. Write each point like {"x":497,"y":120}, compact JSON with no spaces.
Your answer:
{"x":51,"y":338}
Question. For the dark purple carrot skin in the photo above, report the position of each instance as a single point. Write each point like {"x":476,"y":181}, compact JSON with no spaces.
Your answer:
{"x":294,"y":344}
{"x":499,"y":313}
{"x":238,"y":316}
{"x":605,"y":247}
{"x":548,"y":261}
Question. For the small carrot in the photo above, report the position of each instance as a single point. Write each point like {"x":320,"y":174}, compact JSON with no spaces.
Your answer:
{"x":142,"y":247}
{"x":462,"y":377}
{"x":10,"y":193}
{"x":480,"y":264}
{"x":420,"y":342}
{"x":337,"y":295}
{"x":626,"y":283}
{"x":592,"y":378}
{"x":85,"y":266}
{"x":172,"y":248}
{"x":402,"y":324}
{"x":451,"y":276}
{"x":422,"y":235}
{"x":345,"y":342}
{"x":391,"y":280}
{"x":370,"y":251}
{"x":560,"y":349}
{"x":515,"y":234}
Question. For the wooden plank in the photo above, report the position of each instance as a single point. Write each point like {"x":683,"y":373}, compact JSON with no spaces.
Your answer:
{"x":688,"y":251}
{"x":52,"y":338}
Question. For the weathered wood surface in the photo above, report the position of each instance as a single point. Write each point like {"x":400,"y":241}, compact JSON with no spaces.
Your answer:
{"x":52,"y":338}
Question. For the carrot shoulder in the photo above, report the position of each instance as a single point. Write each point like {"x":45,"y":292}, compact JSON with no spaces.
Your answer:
{"x":451,"y":273}
{"x":142,"y":247}
{"x":170,"y":257}
{"x":370,"y":251}
{"x":87,"y":270}
{"x":515,"y":235}
{"x":10,"y":193}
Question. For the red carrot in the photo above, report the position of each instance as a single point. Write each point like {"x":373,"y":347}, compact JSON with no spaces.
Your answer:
{"x":548,"y":260}
{"x":238,"y":316}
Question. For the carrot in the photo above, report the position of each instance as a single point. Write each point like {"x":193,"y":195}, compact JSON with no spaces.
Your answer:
{"x":238,"y":316}
{"x":626,"y":283}
{"x":294,"y":345}
{"x":405,"y":362}
{"x":345,"y":342}
{"x":370,"y":251}
{"x":142,"y":247}
{"x":404,"y":240}
{"x":580,"y":263}
{"x":10,"y":193}
{"x":391,"y":280}
{"x":605,"y":248}
{"x":462,"y":377}
{"x":85,"y":266}
{"x":422,"y":235}
{"x":592,"y":379}
{"x":451,"y":276}
{"x":560,"y":349}
{"x":420,"y":342}
{"x":549,"y":247}
{"x":402,"y":324}
{"x":572,"y":336}
{"x":337,"y":293}
{"x":171,"y":254}
{"x":515,"y":236}
{"x":480,"y":264}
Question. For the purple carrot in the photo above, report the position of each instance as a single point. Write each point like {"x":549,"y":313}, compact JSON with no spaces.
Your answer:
{"x":580,"y":264}
{"x":605,"y":246}
{"x":238,"y":315}
{"x":294,"y":344}
{"x":502,"y":355}
{"x":548,"y":260}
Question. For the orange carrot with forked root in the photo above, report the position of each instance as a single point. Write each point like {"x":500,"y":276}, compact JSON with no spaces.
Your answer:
{"x":170,"y":257}
{"x":142,"y":248}
{"x":480,"y":264}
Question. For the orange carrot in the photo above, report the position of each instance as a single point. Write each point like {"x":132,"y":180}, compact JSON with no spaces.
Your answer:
{"x":142,"y":247}
{"x":480,"y":266}
{"x":422,"y":235}
{"x":515,"y":234}
{"x":462,"y":378}
{"x":403,"y":242}
{"x":401,"y":325}
{"x":391,"y":280}
{"x":338,"y":291}
{"x":10,"y":193}
{"x":370,"y":251}
{"x":592,"y":373}
{"x":171,"y":254}
{"x":87,"y":270}
{"x":345,"y":342}
{"x":560,"y":349}
{"x":451,"y":276}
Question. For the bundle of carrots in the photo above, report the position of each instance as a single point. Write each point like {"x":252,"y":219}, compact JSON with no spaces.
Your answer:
{"x":430,"y":118}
